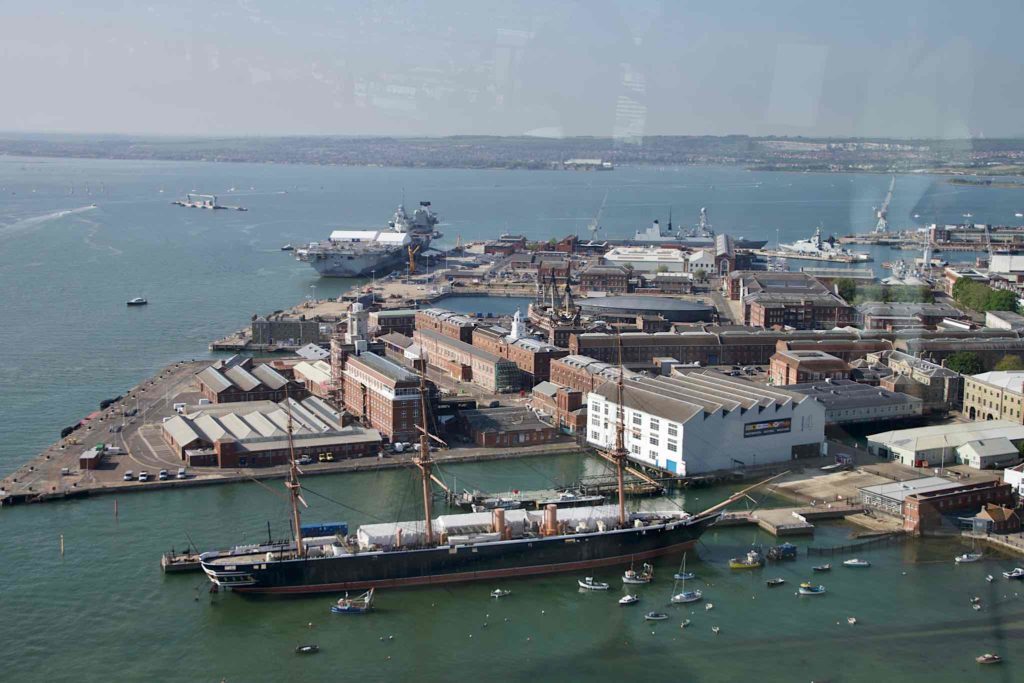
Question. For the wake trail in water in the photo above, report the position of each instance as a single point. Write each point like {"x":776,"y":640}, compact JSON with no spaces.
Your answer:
{"x":34,"y":222}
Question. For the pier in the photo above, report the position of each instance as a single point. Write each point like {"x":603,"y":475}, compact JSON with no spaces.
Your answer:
{"x":789,"y":521}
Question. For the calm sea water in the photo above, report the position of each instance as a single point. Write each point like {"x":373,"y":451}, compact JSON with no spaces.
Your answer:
{"x":105,"y":610}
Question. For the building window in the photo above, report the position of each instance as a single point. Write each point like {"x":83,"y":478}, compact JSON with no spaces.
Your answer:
{"x":673,"y":430}
{"x":638,"y":419}
{"x":635,"y":449}
{"x":655,"y":424}
{"x":653,"y":440}
{"x":673,"y":446}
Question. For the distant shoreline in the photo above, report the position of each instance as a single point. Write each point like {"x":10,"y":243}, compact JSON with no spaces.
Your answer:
{"x":793,"y":155}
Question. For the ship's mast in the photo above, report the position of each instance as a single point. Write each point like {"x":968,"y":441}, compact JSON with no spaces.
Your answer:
{"x":620,"y":447}
{"x":293,"y":485}
{"x":423,"y":461}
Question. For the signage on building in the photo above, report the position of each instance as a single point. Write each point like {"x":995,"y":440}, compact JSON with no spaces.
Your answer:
{"x":768,"y":427}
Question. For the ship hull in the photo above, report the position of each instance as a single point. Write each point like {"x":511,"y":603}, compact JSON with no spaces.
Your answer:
{"x":455,"y":564}
{"x":360,"y":265}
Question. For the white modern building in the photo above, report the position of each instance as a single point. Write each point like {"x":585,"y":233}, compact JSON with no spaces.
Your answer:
{"x":705,"y":421}
{"x":702,"y":259}
{"x":1014,"y":476}
{"x":648,"y":259}
{"x":982,"y":445}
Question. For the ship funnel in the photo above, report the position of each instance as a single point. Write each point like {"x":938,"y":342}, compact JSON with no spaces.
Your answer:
{"x":550,"y":520}
{"x":498,"y":520}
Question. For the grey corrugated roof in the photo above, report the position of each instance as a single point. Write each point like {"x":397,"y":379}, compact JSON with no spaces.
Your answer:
{"x":385,"y":367}
{"x":241,"y":378}
{"x":269,"y":376}
{"x":213,"y":379}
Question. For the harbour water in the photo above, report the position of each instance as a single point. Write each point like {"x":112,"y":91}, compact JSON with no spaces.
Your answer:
{"x":104,"y":610}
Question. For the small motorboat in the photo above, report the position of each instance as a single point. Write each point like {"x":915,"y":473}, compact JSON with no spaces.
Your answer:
{"x":990,"y":578}
{"x":655,"y":616}
{"x":685,"y":623}
{"x":752,"y":560}
{"x":856,"y":563}
{"x":359,"y":605}
{"x":822,"y":568}
{"x":591,"y":585}
{"x":709,"y":606}
{"x":967,"y":557}
{"x":988,"y":658}
{"x":975,"y":600}
{"x":629,"y":599}
{"x":716,"y":630}
{"x":499,"y":593}
{"x":686,"y":597}
{"x":777,"y":581}
{"x":786,"y":551}
{"x":808,"y":588}
{"x":976,"y":607}
{"x":137,"y":301}
{"x":852,"y":621}
{"x":645,"y":575}
{"x":1017,"y":573}
{"x":287,"y":247}
{"x":307,"y":649}
{"x":684,"y":576}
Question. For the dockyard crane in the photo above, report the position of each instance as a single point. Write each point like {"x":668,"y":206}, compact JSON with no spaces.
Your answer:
{"x":412,"y":259}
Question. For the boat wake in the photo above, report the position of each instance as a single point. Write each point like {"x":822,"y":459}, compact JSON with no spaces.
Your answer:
{"x":34,"y":222}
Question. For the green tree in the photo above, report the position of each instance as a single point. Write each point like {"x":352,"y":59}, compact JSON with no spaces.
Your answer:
{"x":1001,"y":300}
{"x":700,"y":274}
{"x":965,"y":362}
{"x":846,"y":288}
{"x":1010,"y":362}
{"x":662,"y":268}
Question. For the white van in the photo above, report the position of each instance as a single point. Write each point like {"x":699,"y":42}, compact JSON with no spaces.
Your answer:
{"x":129,"y":476}
{"x":179,"y":408}
{"x":181,"y":473}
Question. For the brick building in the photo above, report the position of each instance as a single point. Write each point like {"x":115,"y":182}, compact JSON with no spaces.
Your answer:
{"x":566,"y":407}
{"x":402,"y":321}
{"x":383,"y":394}
{"x":584,"y":374}
{"x":797,"y":367}
{"x":506,"y":245}
{"x":898,"y":316}
{"x":452,"y":325}
{"x":924,"y":512}
{"x":610,"y":278}
{"x":846,"y":349}
{"x":240,"y":379}
{"x":506,"y":427}
{"x":467,"y":363}
{"x":794,"y":300}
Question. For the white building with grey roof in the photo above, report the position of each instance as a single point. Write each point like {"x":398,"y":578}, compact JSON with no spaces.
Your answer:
{"x":705,"y":421}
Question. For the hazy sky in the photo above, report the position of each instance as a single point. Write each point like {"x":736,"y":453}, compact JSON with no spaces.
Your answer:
{"x":610,"y":68}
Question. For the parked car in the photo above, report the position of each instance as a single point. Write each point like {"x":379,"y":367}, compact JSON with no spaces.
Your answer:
{"x":181,"y":473}
{"x":143,"y":476}
{"x":163,"y":475}
{"x":305,"y":460}
{"x":129,"y":476}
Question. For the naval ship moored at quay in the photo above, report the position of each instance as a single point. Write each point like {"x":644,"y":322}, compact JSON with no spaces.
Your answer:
{"x":358,"y":253}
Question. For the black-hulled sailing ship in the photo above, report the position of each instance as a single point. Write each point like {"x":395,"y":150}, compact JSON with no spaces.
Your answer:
{"x":462,"y":547}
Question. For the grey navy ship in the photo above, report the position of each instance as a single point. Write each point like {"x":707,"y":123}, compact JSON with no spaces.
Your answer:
{"x":357,"y":253}
{"x":700,"y":236}
{"x":460,"y":547}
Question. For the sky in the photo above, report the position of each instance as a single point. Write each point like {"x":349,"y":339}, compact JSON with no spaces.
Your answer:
{"x":609,"y":68}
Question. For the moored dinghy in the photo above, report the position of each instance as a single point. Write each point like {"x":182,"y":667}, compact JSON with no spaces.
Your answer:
{"x":856,"y":562}
{"x":629,"y":599}
{"x":808,"y":588}
{"x":591,"y":585}
{"x":499,"y":593}
{"x":655,"y":616}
